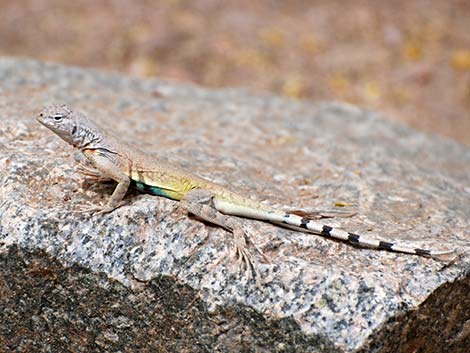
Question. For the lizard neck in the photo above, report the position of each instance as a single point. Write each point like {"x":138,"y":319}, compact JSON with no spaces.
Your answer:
{"x":89,"y":141}
{"x":89,"y":136}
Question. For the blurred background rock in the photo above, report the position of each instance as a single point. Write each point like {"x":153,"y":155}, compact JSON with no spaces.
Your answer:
{"x":407,"y":58}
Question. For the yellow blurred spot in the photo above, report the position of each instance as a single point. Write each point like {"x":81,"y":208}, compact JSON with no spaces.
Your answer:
{"x":144,"y":66}
{"x":139,"y":33}
{"x":188,"y":21}
{"x":250,"y":57}
{"x":173,"y":2}
{"x":273,"y":37}
{"x":461,"y":60}
{"x":293,"y":86}
{"x":305,"y":181}
{"x":467,"y":95}
{"x":413,"y":50}
{"x":339,"y":84}
{"x":283,"y":140}
{"x":342,"y":204}
{"x":400,"y":95}
{"x":310,"y":45}
{"x":372,"y":91}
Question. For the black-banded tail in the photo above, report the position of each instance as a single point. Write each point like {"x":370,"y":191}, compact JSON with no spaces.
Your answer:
{"x":352,"y":238}
{"x":306,"y":224}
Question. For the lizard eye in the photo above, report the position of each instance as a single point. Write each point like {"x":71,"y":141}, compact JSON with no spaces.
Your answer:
{"x":57,"y":117}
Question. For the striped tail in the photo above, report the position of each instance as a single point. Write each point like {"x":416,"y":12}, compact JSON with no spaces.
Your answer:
{"x":352,"y":238}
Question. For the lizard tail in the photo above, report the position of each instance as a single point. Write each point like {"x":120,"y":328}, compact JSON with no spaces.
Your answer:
{"x":352,"y":238}
{"x":301,"y":222}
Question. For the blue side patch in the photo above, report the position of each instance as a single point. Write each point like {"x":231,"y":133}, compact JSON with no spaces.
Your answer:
{"x":149,"y":189}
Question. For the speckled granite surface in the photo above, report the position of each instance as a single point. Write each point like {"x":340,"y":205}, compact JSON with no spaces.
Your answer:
{"x":140,"y":279}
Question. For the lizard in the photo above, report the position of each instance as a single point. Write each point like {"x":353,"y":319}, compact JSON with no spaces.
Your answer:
{"x":127,"y":165}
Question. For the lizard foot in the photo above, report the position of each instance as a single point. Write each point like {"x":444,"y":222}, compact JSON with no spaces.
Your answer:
{"x":241,"y":256}
{"x":245,"y":261}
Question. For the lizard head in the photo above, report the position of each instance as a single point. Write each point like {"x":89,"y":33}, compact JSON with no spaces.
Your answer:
{"x":59,"y":119}
{"x":67,"y":124}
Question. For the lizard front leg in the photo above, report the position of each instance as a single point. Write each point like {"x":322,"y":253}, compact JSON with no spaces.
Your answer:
{"x":108,"y":170}
{"x":200,"y":203}
{"x":91,"y":175}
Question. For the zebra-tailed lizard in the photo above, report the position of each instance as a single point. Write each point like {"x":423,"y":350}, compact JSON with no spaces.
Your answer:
{"x":127,"y":165}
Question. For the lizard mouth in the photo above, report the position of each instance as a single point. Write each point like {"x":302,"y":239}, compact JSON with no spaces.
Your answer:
{"x":42,"y":119}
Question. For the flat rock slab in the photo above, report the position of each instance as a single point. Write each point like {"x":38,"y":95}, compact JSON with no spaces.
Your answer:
{"x":148,"y":278}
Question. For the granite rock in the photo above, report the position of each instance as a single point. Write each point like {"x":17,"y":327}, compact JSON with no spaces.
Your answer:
{"x":147,"y":278}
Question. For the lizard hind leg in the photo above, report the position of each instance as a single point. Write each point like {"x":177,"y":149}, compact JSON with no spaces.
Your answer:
{"x":199,"y":202}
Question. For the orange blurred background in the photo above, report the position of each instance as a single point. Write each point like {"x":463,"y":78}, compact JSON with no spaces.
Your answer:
{"x":408,"y":59}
